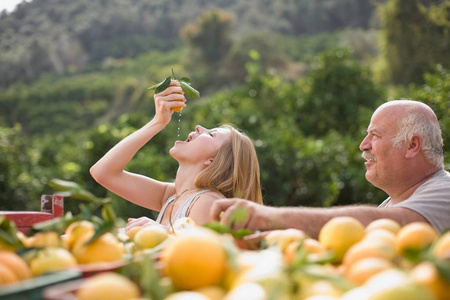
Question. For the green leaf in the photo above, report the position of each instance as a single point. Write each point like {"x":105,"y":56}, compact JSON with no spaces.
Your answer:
{"x":72,"y":189}
{"x":186,"y":79}
{"x":153,"y":87}
{"x":189,"y":90}
{"x":185,"y":83}
{"x":218,"y":227}
{"x":163,"y":85}
{"x":102,"y":229}
{"x":108,"y":213}
{"x":240,"y":233}
{"x":239,"y":215}
{"x":57,"y":224}
{"x":8,"y":232}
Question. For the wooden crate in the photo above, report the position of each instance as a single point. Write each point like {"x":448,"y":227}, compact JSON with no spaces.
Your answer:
{"x":52,"y":206}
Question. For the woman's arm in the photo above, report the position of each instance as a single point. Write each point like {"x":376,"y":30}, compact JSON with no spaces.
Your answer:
{"x":110,"y":172}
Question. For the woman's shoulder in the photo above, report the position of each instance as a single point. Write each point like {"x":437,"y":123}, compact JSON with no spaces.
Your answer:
{"x":209,"y":194}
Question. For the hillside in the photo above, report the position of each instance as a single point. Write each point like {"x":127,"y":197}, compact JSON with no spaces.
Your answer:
{"x":296,"y":75}
{"x":66,"y":35}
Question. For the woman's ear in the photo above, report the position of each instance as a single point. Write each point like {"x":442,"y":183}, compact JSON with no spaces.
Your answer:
{"x":208,"y":162}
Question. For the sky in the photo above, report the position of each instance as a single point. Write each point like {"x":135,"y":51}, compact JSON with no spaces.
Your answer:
{"x":9,"y":5}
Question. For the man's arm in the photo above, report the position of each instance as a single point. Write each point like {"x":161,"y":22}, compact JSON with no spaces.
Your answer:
{"x":311,"y":219}
{"x":308,"y":219}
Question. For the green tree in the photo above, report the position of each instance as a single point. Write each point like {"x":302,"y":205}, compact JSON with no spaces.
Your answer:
{"x":436,"y":93}
{"x":414,"y":39}
{"x":16,"y":181}
{"x":208,"y":41}
{"x":338,"y":92}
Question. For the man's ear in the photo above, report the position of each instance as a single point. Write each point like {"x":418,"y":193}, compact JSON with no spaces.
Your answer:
{"x":414,"y":147}
{"x":208,"y":162}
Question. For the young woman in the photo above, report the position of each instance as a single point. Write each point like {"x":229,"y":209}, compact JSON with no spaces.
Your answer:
{"x":213,"y":164}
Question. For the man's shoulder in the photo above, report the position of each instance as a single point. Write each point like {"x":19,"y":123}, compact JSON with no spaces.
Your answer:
{"x":436,"y":187}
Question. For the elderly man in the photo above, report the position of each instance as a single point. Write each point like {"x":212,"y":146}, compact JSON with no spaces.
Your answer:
{"x":404,"y":158}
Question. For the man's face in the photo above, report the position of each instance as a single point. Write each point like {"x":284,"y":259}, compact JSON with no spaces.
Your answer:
{"x":384,"y":163}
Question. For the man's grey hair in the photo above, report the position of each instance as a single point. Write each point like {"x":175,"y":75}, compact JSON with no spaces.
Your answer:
{"x":415,"y":122}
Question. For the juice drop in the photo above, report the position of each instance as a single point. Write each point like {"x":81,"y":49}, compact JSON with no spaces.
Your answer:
{"x":179,"y":121}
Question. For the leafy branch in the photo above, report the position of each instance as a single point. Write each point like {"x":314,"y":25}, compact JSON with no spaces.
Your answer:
{"x":185,"y":84}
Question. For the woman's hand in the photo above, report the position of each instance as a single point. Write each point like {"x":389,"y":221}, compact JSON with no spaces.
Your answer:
{"x":138,"y":222}
{"x":168,"y":101}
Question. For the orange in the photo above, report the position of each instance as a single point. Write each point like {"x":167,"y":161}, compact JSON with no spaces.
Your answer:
{"x":51,"y":259}
{"x":247,"y":291}
{"x":212,"y":292}
{"x":442,"y":247}
{"x":283,"y":237}
{"x":427,"y":275}
{"x":382,"y":235}
{"x":45,"y":239}
{"x":16,"y":263}
{"x":181,"y":225}
{"x":186,"y":295}
{"x":339,"y":234}
{"x":7,"y":275}
{"x":384,"y":223}
{"x":195,"y":259}
{"x":368,"y":248}
{"x":76,"y":230}
{"x":395,"y":284}
{"x":150,"y":237}
{"x":132,"y":232}
{"x":108,"y":286}
{"x":363,"y":269}
{"x":415,"y":236}
{"x":104,"y":249}
{"x":320,"y":288}
{"x":309,"y":245}
{"x":177,"y":108}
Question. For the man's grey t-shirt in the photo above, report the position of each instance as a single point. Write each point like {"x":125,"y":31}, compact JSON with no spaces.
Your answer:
{"x":431,"y":200}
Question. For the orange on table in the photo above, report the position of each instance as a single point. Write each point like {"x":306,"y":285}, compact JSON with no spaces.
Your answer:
{"x":369,"y":248}
{"x":442,"y":246}
{"x":415,"y":236}
{"x":77,"y":230}
{"x":361,"y":270}
{"x":340,"y":233}
{"x":51,"y":259}
{"x":199,"y":251}
{"x":384,"y":223}
{"x":108,"y":286}
{"x":106,"y":248}
{"x":16,"y":263}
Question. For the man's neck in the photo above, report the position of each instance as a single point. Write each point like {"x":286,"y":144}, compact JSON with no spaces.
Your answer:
{"x":406,"y":193}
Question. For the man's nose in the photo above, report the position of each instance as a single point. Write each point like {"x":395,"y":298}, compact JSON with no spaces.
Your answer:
{"x":365,"y":144}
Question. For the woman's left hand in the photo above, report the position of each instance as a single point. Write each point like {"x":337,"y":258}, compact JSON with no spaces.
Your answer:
{"x":138,"y":222}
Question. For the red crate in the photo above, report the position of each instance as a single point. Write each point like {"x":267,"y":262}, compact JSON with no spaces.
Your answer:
{"x":52,"y":206}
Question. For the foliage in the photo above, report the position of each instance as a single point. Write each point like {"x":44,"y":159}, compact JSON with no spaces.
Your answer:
{"x":414,"y":39}
{"x":298,"y":164}
{"x":436,"y":93}
{"x":340,"y":89}
{"x":306,"y":111}
{"x":61,"y":36}
{"x":15,"y":163}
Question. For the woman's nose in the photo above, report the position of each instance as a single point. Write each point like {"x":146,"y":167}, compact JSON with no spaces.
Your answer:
{"x":199,"y":129}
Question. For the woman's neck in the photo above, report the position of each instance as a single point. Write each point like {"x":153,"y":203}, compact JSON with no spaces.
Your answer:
{"x":185,"y":179}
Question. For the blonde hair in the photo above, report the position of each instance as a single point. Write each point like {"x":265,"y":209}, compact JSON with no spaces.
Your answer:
{"x":234,"y":172}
